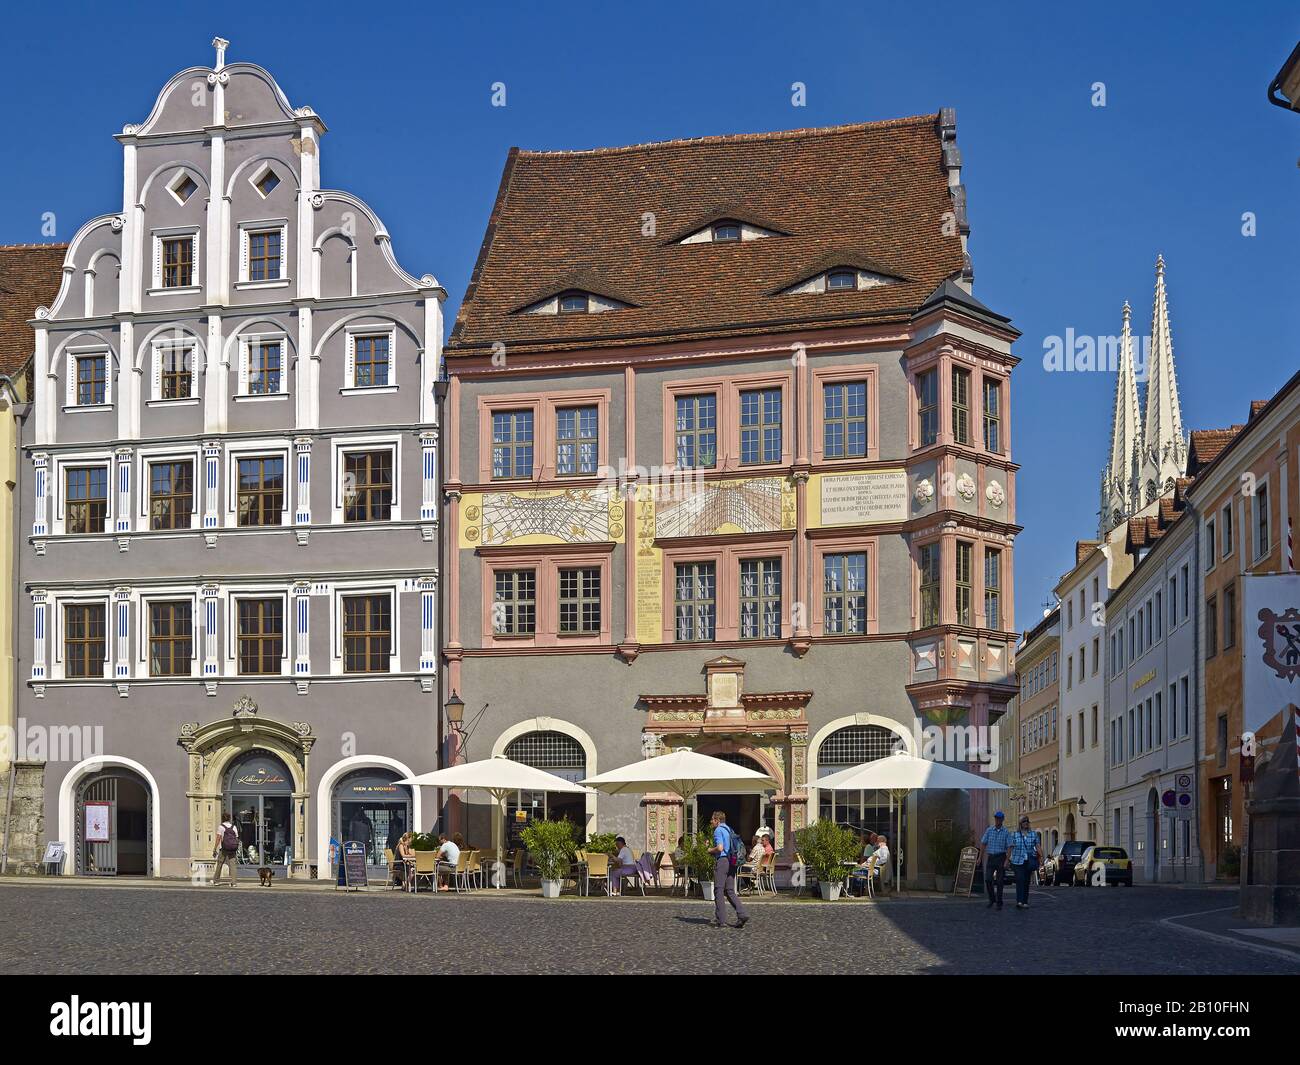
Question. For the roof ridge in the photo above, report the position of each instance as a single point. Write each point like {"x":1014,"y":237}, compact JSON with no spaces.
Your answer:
{"x":51,"y":245}
{"x":740,"y":138}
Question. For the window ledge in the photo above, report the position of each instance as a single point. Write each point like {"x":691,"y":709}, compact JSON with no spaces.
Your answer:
{"x":259,"y":397}
{"x":378,"y":390}
{"x":186,"y":401}
{"x":273,"y":282}
{"x":184,"y":290}
{"x":87,"y":408}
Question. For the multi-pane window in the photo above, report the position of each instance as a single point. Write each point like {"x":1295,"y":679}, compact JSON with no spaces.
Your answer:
{"x":512,"y":443}
{"x":85,"y":499}
{"x":992,"y":416}
{"x":965,"y":581}
{"x":367,"y":633}
{"x":961,"y":405}
{"x":1230,"y":616}
{"x":844,"y":594}
{"x":264,"y":255}
{"x":1226,"y":525}
{"x":1210,"y":554}
{"x":726,"y":231}
{"x":760,"y":425}
{"x":574,"y":303}
{"x":695,"y":598}
{"x":514,"y":602}
{"x":84,"y":640}
{"x":697,"y":431}
{"x":580,"y":600}
{"x":1262,"y":537}
{"x":260,"y":491}
{"x":92,"y":380}
{"x":928,"y":563}
{"x":1211,"y":627}
{"x":993,"y":589}
{"x":175,"y":373}
{"x":577,"y":438}
{"x":927,"y":391}
{"x":177,"y":262}
{"x":844,"y":420}
{"x":171,"y":494}
{"x":840,"y":280}
{"x":171,"y":638}
{"x":368,"y":485}
{"x":370,"y":361}
{"x":264,"y":368}
{"x":261,"y":635}
{"x":760,"y":598}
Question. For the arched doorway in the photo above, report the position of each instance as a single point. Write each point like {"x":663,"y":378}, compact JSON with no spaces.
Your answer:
{"x":862,"y":811}
{"x":113,"y":821}
{"x":1069,"y":827}
{"x":557,"y":753}
{"x":370,"y":807}
{"x":746,"y":813}
{"x":258,"y":792}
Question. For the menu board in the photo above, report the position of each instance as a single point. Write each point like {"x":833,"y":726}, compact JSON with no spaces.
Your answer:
{"x":97,"y":822}
{"x":864,"y":498}
{"x":970,"y":857}
{"x":354,"y":865}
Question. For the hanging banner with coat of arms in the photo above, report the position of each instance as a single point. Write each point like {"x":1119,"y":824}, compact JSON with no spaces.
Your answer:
{"x":1271,"y":620}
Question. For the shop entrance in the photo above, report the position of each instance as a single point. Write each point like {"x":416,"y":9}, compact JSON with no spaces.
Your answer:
{"x":743,"y":813}
{"x":371,"y":808}
{"x":114,"y":818}
{"x":258,"y":793}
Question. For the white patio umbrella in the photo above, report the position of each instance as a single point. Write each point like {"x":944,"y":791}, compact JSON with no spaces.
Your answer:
{"x":499,"y":776}
{"x":685,"y":773}
{"x":902,"y":772}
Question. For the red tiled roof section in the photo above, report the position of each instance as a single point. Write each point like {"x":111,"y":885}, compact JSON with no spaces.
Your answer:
{"x":1206,"y":445}
{"x":1084,"y":548}
{"x":30,"y":275}
{"x":877,"y":189}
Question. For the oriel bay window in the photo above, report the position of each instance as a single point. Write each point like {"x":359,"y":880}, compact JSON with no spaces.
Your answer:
{"x":261,"y":636}
{"x":697,"y":431}
{"x":695,"y":601}
{"x":512,"y":443}
{"x":844,"y":420}
{"x":960,"y":405}
{"x":579,"y":600}
{"x":965,"y":582}
{"x":85,"y":499}
{"x":171,"y":638}
{"x":171,"y":494}
{"x":260,"y":490}
{"x":367,"y":633}
{"x":928,"y":564}
{"x":84,"y":640}
{"x":577,"y":440}
{"x":760,"y":598}
{"x":368,"y":485}
{"x":927,"y":407}
{"x":514,"y":602}
{"x":760,"y":426}
{"x":844,"y":594}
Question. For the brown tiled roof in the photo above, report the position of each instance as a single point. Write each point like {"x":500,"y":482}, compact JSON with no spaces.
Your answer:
{"x":1257,"y":405}
{"x":1206,"y":445}
{"x":873,"y":193}
{"x":1084,"y":548}
{"x":29,"y":278}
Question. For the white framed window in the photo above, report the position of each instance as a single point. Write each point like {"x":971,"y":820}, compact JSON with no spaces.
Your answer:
{"x":367,"y":482}
{"x":256,"y":474}
{"x":1261,"y":531}
{"x":83,"y":644}
{"x":174,"y":372}
{"x":265,"y":179}
{"x":169,"y":618}
{"x":182,"y":186}
{"x":1211,"y":544}
{"x":84,"y":492}
{"x":165,"y":479}
{"x":176,"y":263}
{"x":263,"y":253}
{"x":88,"y":378}
{"x":259,"y":632}
{"x":263,"y":366}
{"x":365,"y":630}
{"x":370,"y":362}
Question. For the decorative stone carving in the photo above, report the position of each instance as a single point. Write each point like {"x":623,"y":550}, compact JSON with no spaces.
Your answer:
{"x":245,"y":707}
{"x":317,"y":201}
{"x":117,"y":223}
{"x":994,"y":494}
{"x":924,"y":491}
{"x":966,"y":487}
{"x":302,"y":728}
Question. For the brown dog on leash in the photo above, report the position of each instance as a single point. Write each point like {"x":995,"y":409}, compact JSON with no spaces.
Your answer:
{"x":265,"y":874}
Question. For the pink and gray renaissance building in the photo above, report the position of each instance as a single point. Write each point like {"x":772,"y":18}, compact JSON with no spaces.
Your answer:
{"x":228,"y":524}
{"x":728,"y":466}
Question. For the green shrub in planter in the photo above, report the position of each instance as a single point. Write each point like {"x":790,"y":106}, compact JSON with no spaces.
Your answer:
{"x":698,"y":859}
{"x":550,"y":847}
{"x":602,"y":843}
{"x":944,"y":846}
{"x":424,"y":841}
{"x":825,"y":847}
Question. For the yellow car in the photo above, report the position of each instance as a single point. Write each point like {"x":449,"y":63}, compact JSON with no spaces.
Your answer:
{"x":1103,"y":865}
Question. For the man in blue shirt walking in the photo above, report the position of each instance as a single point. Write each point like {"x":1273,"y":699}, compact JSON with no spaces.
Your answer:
{"x":724,"y":874}
{"x":994,"y":845}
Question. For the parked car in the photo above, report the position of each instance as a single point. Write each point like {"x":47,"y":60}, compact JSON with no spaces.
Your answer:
{"x":1112,"y":863}
{"x":1066,"y":857}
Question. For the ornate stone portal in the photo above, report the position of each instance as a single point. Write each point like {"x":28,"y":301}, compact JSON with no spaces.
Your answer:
{"x":769,"y":728}
{"x":213,"y":747}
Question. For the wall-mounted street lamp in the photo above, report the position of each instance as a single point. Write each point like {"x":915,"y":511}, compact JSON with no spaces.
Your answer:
{"x":455,"y":707}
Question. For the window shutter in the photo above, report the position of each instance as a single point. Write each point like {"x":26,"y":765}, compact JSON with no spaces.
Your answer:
{"x":392,"y":356}
{"x":284,"y":245}
{"x":350,"y":362}
{"x":243,"y":254}
{"x":155,"y":384}
{"x":157,"y":262}
{"x":243,"y":365}
{"x":108,"y":377}
{"x":70,"y":380}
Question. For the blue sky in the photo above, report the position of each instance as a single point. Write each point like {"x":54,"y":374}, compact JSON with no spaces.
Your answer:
{"x":1069,"y":203}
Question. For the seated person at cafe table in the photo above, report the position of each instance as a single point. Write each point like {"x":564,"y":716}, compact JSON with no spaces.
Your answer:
{"x":448,"y":859}
{"x":768,"y":848}
{"x":403,"y":853}
{"x":623,"y":864}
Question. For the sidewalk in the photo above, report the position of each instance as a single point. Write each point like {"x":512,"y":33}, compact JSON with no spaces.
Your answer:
{"x":1227,"y":926}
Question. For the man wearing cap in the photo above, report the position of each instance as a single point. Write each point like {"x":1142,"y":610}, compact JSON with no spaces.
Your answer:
{"x":994,"y":844}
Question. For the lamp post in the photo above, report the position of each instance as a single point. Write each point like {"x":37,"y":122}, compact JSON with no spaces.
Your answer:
{"x":455,"y":710}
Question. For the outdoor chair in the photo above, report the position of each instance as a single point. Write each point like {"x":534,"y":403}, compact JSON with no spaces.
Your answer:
{"x":392,"y":863}
{"x":747,"y":880}
{"x":462,"y":874}
{"x":679,"y":877}
{"x":656,"y":863}
{"x":426,"y":865}
{"x":518,"y":865}
{"x":597,"y":869}
{"x":767,"y":872}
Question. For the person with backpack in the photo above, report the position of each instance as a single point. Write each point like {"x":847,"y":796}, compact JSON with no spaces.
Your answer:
{"x":729,"y":849}
{"x":226,"y":851}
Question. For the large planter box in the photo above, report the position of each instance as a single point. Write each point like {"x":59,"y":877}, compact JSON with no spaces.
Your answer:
{"x":830,"y":890}
{"x":551,"y":888}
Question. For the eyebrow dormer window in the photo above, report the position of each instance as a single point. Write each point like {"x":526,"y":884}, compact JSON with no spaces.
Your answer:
{"x":725,"y":231}
{"x":841,"y":280}
{"x":575,"y":303}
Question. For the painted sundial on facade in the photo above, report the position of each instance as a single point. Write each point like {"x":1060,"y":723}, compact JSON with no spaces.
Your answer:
{"x":573,"y":517}
{"x":751,"y":506}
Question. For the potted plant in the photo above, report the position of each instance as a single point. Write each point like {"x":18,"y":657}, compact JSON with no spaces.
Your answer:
{"x":700,"y":862}
{"x":550,"y":847}
{"x":825,"y":848}
{"x":944,"y":846}
{"x":424,"y":841}
{"x":601,"y":843}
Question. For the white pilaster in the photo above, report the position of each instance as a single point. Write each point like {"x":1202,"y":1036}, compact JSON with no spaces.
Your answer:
{"x":121,"y":637}
{"x":128,"y":384}
{"x":41,"y":494}
{"x":216,"y":372}
{"x":216,"y":276}
{"x":301,"y":598}
{"x":42,"y":387}
{"x":211,"y":596}
{"x":428,"y":587}
{"x":122,"y":486}
{"x":306,"y":403}
{"x":40,"y":622}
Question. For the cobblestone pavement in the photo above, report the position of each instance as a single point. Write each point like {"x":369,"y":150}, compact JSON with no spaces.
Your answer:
{"x":53,"y":929}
